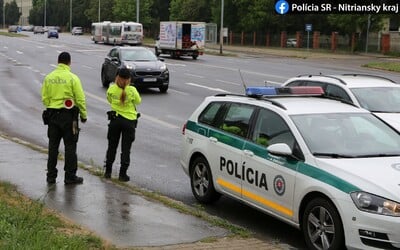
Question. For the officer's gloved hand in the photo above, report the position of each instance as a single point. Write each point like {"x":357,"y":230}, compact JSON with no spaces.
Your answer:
{"x":83,"y":120}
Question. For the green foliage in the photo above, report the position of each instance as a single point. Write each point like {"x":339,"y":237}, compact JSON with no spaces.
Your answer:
{"x":190,"y":10}
{"x":125,"y":10}
{"x":12,"y":13}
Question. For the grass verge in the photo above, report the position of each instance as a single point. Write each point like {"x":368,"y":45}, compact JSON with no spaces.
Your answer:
{"x":389,"y":66}
{"x":27,"y":224}
{"x":12,"y":34}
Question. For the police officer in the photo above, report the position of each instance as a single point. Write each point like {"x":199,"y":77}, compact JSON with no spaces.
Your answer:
{"x":123,"y":116}
{"x":63,"y":96}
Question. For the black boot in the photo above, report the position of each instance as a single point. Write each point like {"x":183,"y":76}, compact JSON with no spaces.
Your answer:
{"x":122,"y":174}
{"x":107,"y":174}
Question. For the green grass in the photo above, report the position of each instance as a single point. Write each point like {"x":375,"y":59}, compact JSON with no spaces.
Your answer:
{"x":389,"y":66}
{"x":12,"y":34}
{"x":27,"y":224}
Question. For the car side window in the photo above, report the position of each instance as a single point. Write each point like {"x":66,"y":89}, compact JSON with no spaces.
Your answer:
{"x":209,"y":115}
{"x":337,"y":92}
{"x":114,"y":53}
{"x":270,"y":128}
{"x":237,"y":119}
{"x":296,"y":83}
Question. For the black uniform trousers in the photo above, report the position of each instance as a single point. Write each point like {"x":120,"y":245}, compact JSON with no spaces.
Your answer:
{"x":117,"y":127}
{"x":60,"y":127}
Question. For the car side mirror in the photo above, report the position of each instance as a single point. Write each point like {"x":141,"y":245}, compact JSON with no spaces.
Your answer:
{"x":280,"y":149}
{"x":115,"y":59}
{"x":161,"y":59}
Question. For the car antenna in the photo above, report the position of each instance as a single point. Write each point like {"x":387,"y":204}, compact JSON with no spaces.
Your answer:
{"x":244,"y":84}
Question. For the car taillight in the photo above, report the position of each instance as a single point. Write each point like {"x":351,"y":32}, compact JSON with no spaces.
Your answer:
{"x":183,"y":129}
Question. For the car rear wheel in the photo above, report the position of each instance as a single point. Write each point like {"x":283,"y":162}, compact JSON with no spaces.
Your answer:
{"x":104,"y":80}
{"x":201,"y":181}
{"x":321,"y":225}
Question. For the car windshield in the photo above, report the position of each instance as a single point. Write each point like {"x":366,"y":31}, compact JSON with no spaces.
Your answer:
{"x":379,"y":99}
{"x":347,"y":135}
{"x":138,"y":55}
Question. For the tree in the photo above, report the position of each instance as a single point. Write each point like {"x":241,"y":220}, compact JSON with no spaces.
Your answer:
{"x":1,"y":11}
{"x":106,"y":7}
{"x":125,"y":10}
{"x":12,"y":13}
{"x":190,"y":10}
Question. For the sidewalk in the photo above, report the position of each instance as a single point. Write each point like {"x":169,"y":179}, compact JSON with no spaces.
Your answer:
{"x":114,"y":213}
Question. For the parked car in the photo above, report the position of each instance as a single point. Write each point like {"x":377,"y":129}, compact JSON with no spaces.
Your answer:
{"x":77,"y":31}
{"x":38,"y":30}
{"x":148,"y":71}
{"x":378,"y":94}
{"x":13,"y":28}
{"x":323,"y":166}
{"x":52,"y":33}
{"x":291,"y":42}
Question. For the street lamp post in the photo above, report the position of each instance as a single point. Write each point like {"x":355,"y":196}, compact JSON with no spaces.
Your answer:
{"x":99,"y":10}
{"x":221,"y":32}
{"x":4,"y":14}
{"x":70,"y":15}
{"x":137,"y":10}
{"x":44,"y":16}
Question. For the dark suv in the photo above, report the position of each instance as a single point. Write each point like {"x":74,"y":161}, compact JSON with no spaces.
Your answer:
{"x":147,"y":70}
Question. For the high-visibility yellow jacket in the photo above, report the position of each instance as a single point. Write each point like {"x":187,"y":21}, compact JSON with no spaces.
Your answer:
{"x":60,"y":85}
{"x":128,"y":109}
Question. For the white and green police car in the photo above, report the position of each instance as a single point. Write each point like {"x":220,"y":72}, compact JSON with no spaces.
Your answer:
{"x":325,"y":167}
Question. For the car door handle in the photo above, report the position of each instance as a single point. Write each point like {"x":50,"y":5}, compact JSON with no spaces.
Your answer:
{"x":248,"y":153}
{"x":213,"y":139}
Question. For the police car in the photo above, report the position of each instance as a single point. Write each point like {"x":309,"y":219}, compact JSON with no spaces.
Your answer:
{"x":377,"y":94}
{"x":326,"y":167}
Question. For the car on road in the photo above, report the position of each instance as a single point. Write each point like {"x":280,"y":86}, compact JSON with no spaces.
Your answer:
{"x":13,"y":28}
{"x":38,"y":30}
{"x":77,"y":31}
{"x":326,"y":167}
{"x":52,"y":33}
{"x":291,"y":42}
{"x":148,"y":71}
{"x":377,"y":94}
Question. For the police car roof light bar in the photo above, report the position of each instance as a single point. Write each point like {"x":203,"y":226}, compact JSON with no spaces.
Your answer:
{"x":279,"y":91}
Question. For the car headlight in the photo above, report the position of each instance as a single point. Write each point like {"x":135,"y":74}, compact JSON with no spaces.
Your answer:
{"x":130,"y":66}
{"x":163,"y":67}
{"x":375,"y":204}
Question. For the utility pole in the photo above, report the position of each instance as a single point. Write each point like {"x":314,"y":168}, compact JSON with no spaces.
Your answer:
{"x":99,"y":10}
{"x":44,"y":21}
{"x":70,"y":15}
{"x":137,"y":10}
{"x":221,"y":33}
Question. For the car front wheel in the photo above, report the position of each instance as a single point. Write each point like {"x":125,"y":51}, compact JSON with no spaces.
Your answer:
{"x":322,"y":226}
{"x":164,"y":89}
{"x":201,"y":181}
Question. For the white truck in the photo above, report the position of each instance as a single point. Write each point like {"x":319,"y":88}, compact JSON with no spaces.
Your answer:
{"x":181,"y":38}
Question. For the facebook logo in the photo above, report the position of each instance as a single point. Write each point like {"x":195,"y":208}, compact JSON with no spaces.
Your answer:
{"x":282,"y":7}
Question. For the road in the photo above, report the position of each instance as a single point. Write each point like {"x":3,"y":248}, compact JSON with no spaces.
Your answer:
{"x":155,"y":154}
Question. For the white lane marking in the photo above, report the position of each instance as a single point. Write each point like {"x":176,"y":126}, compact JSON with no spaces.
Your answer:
{"x":40,"y":47}
{"x":147,"y":117}
{"x":194,"y":75}
{"x":5,"y":47}
{"x":205,"y":87}
{"x":85,"y":66}
{"x":53,"y":65}
{"x":91,"y":50}
{"x":176,"y":64}
{"x":237,"y":84}
{"x":179,"y":92}
{"x":20,"y":52}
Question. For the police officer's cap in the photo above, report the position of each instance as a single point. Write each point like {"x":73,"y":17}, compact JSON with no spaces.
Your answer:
{"x":124,"y":72}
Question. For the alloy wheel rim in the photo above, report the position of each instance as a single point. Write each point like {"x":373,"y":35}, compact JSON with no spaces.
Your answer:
{"x":321,"y":228}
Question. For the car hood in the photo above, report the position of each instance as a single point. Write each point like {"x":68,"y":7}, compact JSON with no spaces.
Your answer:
{"x":392,"y":118}
{"x":379,"y":175}
{"x":146,"y":65}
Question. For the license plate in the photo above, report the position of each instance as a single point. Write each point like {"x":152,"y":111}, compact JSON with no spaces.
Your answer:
{"x":149,"y":79}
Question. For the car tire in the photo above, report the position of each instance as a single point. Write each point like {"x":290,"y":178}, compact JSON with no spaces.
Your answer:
{"x":163,"y":89}
{"x":201,"y":181}
{"x":321,"y":219}
{"x":194,"y":57}
{"x":104,"y":81}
